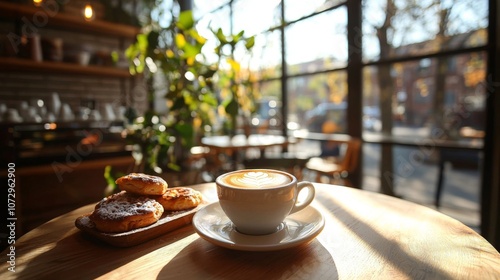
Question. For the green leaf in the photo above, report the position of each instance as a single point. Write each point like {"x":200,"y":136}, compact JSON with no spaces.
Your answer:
{"x":163,"y":139}
{"x":107,"y":175}
{"x":250,"y":43}
{"x":208,"y":98}
{"x":232,"y":107}
{"x":199,"y":39}
{"x":191,"y":51}
{"x":220,"y":35}
{"x":173,"y":166}
{"x":142,"y":42}
{"x":217,"y":50}
{"x":237,"y":37}
{"x":186,"y":20}
{"x":185,"y":130}
{"x":131,"y":51}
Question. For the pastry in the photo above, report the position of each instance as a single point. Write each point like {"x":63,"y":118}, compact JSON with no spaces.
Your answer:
{"x":142,"y":184}
{"x":179,"y":198}
{"x":124,"y":212}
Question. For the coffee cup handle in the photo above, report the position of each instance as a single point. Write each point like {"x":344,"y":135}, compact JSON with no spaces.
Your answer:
{"x":299,"y":205}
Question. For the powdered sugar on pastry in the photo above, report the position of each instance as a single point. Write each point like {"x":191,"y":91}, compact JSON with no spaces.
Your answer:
{"x":124,"y":211}
{"x":124,"y":205}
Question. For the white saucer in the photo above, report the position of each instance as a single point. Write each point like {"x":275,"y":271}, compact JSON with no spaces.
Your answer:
{"x":214,"y":226}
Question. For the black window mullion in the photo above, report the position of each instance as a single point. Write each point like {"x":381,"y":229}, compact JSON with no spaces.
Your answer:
{"x":431,"y":55}
{"x":354,"y":78}
{"x":284,"y":76}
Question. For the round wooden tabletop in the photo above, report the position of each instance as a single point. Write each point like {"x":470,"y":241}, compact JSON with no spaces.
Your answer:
{"x":366,"y":236}
{"x":242,"y":142}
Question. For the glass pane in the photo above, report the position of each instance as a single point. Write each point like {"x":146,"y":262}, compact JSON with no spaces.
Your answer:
{"x":425,"y":104}
{"x":296,"y":9}
{"x":416,"y":180}
{"x":203,"y":7}
{"x":213,"y":21}
{"x":209,"y":22}
{"x":317,"y":43}
{"x":415,"y":27}
{"x":317,"y":102}
{"x":267,"y":116}
{"x":269,"y":89}
{"x":266,"y":57}
{"x":255,"y":16}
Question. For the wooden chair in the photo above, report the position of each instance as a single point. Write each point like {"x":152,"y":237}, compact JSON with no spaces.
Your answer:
{"x":337,"y":168}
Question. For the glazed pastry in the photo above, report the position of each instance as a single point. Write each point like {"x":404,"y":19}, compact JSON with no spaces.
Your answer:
{"x":142,"y":184}
{"x":180,"y":198}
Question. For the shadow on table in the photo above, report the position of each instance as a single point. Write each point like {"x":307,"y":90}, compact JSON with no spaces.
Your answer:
{"x":205,"y":260}
{"x":381,"y":246}
{"x":96,"y":258}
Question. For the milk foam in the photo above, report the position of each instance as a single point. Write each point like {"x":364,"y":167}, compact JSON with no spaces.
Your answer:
{"x":256,"y":180}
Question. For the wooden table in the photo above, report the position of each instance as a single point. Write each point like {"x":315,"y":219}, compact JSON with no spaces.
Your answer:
{"x":224,"y":143}
{"x":366,"y":236}
{"x":231,"y":145}
{"x":446,"y":151}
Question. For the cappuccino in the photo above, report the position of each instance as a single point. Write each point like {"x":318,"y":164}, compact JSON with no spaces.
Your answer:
{"x":258,"y":179}
{"x":257,"y":201}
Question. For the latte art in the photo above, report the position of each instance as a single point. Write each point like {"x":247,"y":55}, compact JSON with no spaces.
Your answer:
{"x":257,"y":180}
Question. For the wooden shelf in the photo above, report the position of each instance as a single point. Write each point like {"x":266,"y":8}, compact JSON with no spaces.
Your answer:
{"x":17,"y":64}
{"x":68,"y":21}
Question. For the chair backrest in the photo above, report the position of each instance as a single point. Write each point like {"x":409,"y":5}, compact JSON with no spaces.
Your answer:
{"x":350,"y":150}
{"x":344,"y":165}
{"x":351,"y":157}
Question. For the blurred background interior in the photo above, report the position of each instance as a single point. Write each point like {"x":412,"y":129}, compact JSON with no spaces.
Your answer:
{"x":396,"y":97}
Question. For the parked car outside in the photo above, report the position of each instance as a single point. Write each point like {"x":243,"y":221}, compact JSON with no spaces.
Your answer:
{"x":371,"y":118}
{"x":333,"y":113}
{"x":268,"y":116}
{"x":336,"y":113}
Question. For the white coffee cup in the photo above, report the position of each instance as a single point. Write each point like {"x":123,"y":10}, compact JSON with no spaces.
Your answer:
{"x":257,"y":201}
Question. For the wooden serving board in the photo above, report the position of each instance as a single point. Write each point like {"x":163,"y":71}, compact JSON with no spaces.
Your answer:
{"x":170,"y":220}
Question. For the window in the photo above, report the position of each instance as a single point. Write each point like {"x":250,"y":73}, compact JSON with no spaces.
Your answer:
{"x":437,"y":63}
{"x":423,"y":66}
{"x":317,"y":43}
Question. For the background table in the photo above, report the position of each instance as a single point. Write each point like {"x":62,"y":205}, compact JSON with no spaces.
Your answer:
{"x":232,"y":145}
{"x":224,"y":143}
{"x":366,"y":236}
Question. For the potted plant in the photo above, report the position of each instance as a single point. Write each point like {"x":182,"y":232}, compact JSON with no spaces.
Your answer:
{"x":162,"y":141}
{"x":174,"y":52}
